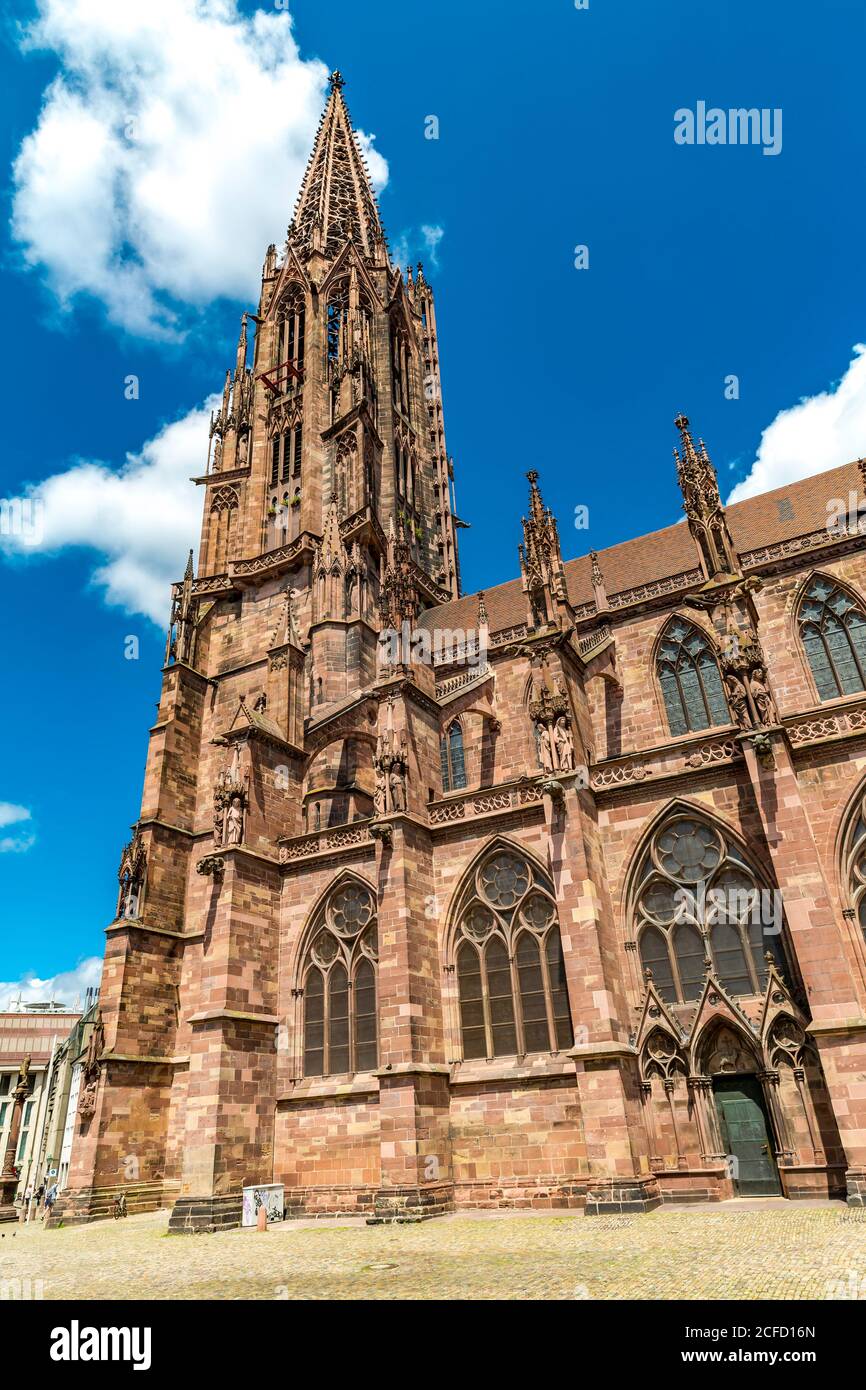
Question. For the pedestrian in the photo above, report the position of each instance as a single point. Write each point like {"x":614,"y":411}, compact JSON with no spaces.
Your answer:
{"x":50,"y":1198}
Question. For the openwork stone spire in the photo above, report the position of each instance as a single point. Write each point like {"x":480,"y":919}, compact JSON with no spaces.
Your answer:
{"x":336,"y":201}
{"x":702,"y":504}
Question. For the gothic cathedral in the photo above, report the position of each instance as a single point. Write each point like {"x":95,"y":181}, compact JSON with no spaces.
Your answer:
{"x":553,"y":895}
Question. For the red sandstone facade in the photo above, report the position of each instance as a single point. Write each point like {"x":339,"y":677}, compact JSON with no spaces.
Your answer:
{"x":522,"y":1017}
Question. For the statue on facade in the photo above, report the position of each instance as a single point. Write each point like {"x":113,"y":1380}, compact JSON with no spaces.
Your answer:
{"x":765,"y":709}
{"x":737,"y":699}
{"x":380,"y":796}
{"x":235,"y":821}
{"x":550,"y":709}
{"x":230,"y":801}
{"x":397,"y":786}
{"x":545,"y":747}
{"x":564,"y":744}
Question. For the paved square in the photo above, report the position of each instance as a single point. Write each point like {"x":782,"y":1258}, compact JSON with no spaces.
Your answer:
{"x":736,"y":1250}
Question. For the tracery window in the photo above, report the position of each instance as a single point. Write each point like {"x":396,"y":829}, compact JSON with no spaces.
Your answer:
{"x":833,"y":628}
{"x":854,"y":861}
{"x":690,"y":680}
{"x":699,"y":899}
{"x":340,"y":1032}
{"x":400,"y":369}
{"x":510,"y":970}
{"x":224,"y":508}
{"x":453,"y":760}
{"x":290,"y":334}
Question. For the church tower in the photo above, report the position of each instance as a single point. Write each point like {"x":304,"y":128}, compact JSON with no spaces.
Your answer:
{"x":327,"y":523}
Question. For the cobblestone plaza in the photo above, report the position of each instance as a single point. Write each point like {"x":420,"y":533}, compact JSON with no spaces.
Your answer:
{"x":741,"y":1250}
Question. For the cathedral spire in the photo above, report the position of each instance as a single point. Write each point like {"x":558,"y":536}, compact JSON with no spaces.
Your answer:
{"x":702,"y":504}
{"x":336,"y":202}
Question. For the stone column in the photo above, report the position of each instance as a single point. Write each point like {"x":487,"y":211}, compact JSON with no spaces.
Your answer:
{"x":9,"y":1177}
{"x":608,"y":1077}
{"x":415,"y":1152}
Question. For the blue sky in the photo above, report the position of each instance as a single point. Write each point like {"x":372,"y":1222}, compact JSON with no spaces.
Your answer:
{"x":555,"y":130}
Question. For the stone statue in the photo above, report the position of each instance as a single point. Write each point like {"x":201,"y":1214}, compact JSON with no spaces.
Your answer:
{"x":379,"y":795}
{"x":218,"y":810}
{"x":545,"y":747}
{"x":235,"y":821}
{"x":564,"y":744}
{"x":738,"y":699}
{"x":397,"y":787}
{"x":761,"y":696}
{"x":23,"y":1085}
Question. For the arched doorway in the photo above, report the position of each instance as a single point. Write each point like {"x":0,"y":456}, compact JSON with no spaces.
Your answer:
{"x":744,"y":1116}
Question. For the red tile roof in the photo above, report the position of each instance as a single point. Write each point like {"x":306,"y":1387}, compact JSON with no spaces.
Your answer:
{"x":794,"y":510}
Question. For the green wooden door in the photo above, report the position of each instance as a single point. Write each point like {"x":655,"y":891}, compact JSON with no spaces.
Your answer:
{"x":746,"y":1133}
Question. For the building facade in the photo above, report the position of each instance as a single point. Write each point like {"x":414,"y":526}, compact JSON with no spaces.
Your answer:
{"x":35,"y":1035}
{"x":551,"y":895}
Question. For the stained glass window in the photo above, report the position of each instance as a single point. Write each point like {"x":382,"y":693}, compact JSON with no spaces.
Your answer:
{"x":698,"y":901}
{"x":690,"y":679}
{"x":340,"y":1031}
{"x":510,"y":967}
{"x":453,"y":761}
{"x":833,"y":629}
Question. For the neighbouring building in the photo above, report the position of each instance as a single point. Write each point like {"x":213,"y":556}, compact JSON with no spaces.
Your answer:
{"x":63,"y":1088}
{"x":550,"y":895}
{"x":37,"y":1032}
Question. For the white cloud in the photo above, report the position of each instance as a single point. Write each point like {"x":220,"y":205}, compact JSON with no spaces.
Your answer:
{"x":413,"y":244}
{"x":432,"y":237}
{"x":68,"y":987}
{"x":167,"y":154}
{"x":818,"y":433}
{"x":142,"y":518}
{"x":23,"y":839}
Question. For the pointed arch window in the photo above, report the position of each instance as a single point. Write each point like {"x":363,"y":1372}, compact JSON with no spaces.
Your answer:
{"x":854,"y":861}
{"x":833,"y":630}
{"x":400,"y":370}
{"x":290,"y":335}
{"x":690,"y":680}
{"x":339,"y":984}
{"x":453,"y":759}
{"x":510,"y":970}
{"x":224,"y":508}
{"x":699,"y":901}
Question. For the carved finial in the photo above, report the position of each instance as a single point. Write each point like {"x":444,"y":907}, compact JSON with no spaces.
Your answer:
{"x":596,"y":567}
{"x":861,"y":464}
{"x":337,"y":81}
{"x":482,"y":611}
{"x":536,"y":506}
{"x":682,"y":424}
{"x":188,"y":572}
